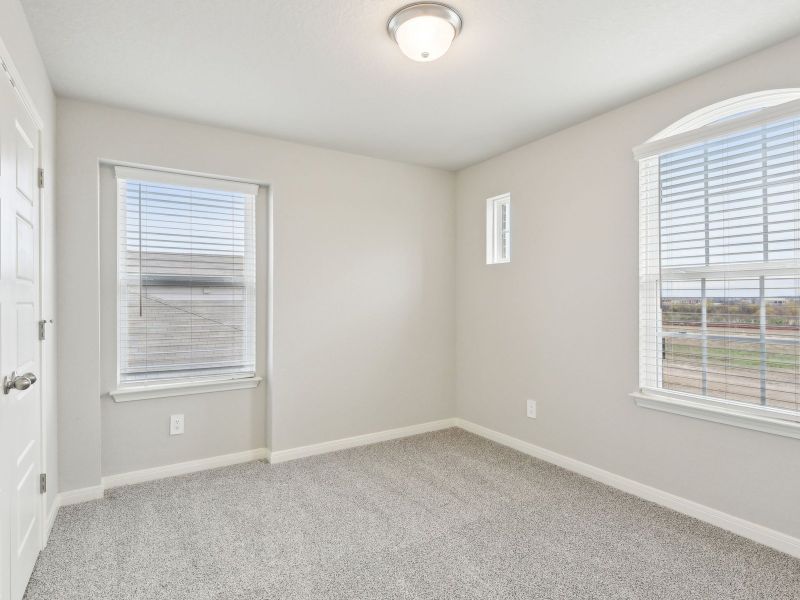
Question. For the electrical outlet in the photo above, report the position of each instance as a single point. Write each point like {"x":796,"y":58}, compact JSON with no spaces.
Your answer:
{"x":531,"y":409}
{"x":176,"y":425}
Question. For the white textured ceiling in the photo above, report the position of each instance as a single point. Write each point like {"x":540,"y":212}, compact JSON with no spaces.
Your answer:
{"x":325,"y":72}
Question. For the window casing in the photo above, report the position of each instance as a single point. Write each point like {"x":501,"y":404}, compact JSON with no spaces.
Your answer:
{"x":719,"y":313}
{"x":498,"y":229}
{"x":186,"y":278}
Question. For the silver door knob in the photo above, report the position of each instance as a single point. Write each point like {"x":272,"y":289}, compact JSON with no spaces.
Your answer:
{"x":18,"y":382}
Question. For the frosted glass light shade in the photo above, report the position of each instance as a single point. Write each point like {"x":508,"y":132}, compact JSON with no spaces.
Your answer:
{"x":425,"y":38}
{"x":424,"y":31}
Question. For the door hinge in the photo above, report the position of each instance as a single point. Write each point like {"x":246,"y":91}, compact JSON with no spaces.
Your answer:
{"x":41,"y":178}
{"x":42,"y":328}
{"x":43,"y":483}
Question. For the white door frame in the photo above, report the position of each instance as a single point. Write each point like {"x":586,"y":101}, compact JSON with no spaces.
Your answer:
{"x":30,"y":107}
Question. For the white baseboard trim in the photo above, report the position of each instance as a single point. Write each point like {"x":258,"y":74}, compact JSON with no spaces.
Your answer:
{"x":51,"y":518}
{"x":141,"y":476}
{"x":279,"y":456}
{"x":758,"y":533}
{"x":192,"y":466}
{"x":94,"y":492}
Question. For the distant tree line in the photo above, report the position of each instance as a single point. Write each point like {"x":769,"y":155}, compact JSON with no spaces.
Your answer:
{"x":780,"y":312}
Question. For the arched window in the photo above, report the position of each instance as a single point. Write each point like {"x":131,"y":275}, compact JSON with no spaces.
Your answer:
{"x":719,"y":317}
{"x":728,"y":109}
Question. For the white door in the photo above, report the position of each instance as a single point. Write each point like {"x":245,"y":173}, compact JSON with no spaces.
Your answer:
{"x":20,"y":407}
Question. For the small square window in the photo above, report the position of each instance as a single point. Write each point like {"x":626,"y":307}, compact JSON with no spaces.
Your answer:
{"x":498,"y":229}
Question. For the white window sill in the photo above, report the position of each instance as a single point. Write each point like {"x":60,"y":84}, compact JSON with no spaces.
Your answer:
{"x":165,"y":390}
{"x":719,"y":414}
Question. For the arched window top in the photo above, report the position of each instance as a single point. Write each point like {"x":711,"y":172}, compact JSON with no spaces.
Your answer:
{"x":723,"y":118}
{"x":727,"y":109}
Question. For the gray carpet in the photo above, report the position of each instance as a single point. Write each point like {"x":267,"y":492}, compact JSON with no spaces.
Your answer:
{"x":442,"y":515}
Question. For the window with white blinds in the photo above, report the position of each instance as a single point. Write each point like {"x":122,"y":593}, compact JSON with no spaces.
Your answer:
{"x":186,"y":275}
{"x":720,"y":265}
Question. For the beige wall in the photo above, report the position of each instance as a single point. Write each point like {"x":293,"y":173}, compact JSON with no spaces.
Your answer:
{"x":18,"y":39}
{"x":559,"y":323}
{"x":364,"y":330}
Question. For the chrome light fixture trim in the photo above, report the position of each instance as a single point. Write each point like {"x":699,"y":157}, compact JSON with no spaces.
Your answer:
{"x":424,"y":9}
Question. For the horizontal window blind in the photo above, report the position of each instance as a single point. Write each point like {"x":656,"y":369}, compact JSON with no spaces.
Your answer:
{"x":720,"y":268}
{"x":498,"y":229}
{"x":186,"y":270}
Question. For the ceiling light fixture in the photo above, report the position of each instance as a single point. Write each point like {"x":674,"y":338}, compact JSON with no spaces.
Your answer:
{"x":424,"y":30}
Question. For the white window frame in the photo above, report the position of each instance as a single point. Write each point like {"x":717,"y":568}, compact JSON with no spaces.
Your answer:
{"x":496,"y":251}
{"x":127,"y":392}
{"x":727,"y":117}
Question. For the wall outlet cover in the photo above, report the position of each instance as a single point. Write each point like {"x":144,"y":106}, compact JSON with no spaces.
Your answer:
{"x":176,"y":424}
{"x":531,"y":409}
